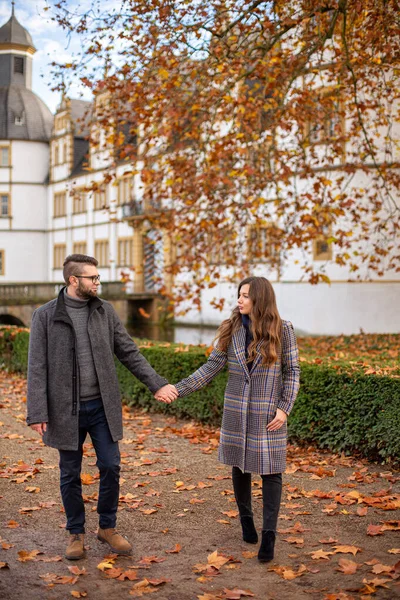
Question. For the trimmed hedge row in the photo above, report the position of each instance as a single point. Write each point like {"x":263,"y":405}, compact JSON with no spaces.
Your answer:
{"x":341,"y":411}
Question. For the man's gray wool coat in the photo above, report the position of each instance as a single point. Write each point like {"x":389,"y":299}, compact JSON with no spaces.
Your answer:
{"x":53,"y":370}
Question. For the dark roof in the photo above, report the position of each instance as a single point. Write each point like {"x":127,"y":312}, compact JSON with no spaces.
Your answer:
{"x":81,"y":151}
{"x":36,"y":120}
{"x":12,"y":32}
{"x":81,"y":114}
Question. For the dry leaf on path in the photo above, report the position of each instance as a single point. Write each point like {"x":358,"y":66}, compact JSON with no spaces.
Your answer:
{"x":106,"y":564}
{"x":87,"y":479}
{"x":343,"y":549}
{"x":177,"y":548}
{"x":320,"y":554}
{"x":77,"y":571}
{"x":288,"y":573}
{"x":236,"y":594}
{"x":25,"y":555}
{"x":346,"y":566}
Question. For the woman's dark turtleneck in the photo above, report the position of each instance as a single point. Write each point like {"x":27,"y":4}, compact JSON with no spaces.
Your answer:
{"x":249,"y":337}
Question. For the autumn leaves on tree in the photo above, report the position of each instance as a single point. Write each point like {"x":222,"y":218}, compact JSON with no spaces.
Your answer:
{"x":260,"y":129}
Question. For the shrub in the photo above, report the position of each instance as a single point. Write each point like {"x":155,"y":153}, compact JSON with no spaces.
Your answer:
{"x":339,"y":407}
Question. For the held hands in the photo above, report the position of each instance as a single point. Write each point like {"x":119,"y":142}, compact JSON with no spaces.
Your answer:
{"x":168,"y":393}
{"x":277,"y":422}
{"x":40,"y":428}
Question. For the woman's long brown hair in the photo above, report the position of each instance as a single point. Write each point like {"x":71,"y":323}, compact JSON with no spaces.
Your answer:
{"x":266,"y":324}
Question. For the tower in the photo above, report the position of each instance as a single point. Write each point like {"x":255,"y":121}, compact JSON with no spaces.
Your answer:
{"x":25,"y":129}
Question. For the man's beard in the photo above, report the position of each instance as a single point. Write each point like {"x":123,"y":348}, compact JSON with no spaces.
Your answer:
{"x":85,"y":294}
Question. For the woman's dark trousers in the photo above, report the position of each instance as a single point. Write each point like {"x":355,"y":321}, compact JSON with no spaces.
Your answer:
{"x":92,"y":421}
{"x":271,"y":492}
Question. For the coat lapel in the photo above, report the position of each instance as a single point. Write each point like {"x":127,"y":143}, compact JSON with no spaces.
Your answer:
{"x":239,"y":346}
{"x":257,"y":358}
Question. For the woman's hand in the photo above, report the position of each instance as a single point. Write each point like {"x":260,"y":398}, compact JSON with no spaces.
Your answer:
{"x":168,"y":393}
{"x":277,"y":422}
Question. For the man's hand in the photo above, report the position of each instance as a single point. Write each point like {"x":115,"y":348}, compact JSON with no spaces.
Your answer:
{"x":168,"y":393}
{"x":40,"y":428}
{"x":277,"y":422}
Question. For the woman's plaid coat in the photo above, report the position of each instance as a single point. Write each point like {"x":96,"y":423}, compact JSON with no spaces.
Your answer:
{"x":251,"y":400}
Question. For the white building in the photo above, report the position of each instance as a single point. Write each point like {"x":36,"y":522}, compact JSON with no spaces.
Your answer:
{"x":50,"y":207}
{"x":25,"y":128}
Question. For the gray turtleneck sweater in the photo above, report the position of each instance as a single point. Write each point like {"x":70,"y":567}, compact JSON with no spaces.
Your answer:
{"x":78,"y":311}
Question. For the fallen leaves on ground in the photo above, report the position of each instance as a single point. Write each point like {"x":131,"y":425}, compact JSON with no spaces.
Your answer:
{"x":146,"y":586}
{"x":288,"y":573}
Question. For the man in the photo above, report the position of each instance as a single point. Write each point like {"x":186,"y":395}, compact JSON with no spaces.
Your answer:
{"x":73,"y":390}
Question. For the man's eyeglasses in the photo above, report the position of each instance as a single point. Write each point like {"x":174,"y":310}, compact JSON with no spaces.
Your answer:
{"x":93,"y":278}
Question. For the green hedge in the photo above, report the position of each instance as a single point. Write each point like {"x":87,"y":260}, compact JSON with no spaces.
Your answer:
{"x":341,"y":411}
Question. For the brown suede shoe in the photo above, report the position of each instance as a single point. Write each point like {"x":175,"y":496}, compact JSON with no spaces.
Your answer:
{"x":118,"y":543}
{"x":75,"y":549}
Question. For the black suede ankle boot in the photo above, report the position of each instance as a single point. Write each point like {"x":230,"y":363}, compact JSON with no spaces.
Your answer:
{"x":266,"y":552}
{"x":249,"y":531}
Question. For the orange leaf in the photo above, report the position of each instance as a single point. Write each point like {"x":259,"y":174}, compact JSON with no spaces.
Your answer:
{"x":374,"y":530}
{"x":177,"y":548}
{"x":77,"y":571}
{"x":362,"y":511}
{"x":288,"y":573}
{"x":348,"y":567}
{"x":87,"y":479}
{"x":232,"y":514}
{"x":320,"y":554}
{"x":236,"y":594}
{"x":347,"y":550}
{"x":379,"y":568}
{"x":24,"y":555}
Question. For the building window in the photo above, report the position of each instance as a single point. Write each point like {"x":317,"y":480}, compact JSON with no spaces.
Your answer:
{"x":125,"y":190}
{"x":19,"y":119}
{"x":60,"y":204}
{"x":60,"y":122}
{"x":2,"y":262}
{"x":18,"y":64}
{"x":222,"y":249}
{"x":79,"y":248}
{"x":59,"y":253}
{"x":56,"y":154}
{"x":79,"y":202}
{"x":322,"y":249}
{"x":327,"y":122}
{"x":4,"y":156}
{"x":261,"y":246}
{"x":101,"y":252}
{"x":4,"y":205}
{"x":99,"y":199}
{"x":125,"y":252}
{"x":65,"y":148}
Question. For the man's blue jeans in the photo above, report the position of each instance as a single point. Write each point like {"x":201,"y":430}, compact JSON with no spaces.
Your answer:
{"x":92,"y":421}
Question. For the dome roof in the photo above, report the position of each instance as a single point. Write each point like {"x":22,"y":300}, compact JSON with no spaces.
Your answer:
{"x":12,"y":32}
{"x":23,"y":115}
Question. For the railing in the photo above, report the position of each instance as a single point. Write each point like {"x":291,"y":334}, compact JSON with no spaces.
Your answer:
{"x":25,"y":292}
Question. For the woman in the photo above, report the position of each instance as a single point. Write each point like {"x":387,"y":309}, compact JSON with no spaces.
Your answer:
{"x":263,"y":363}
